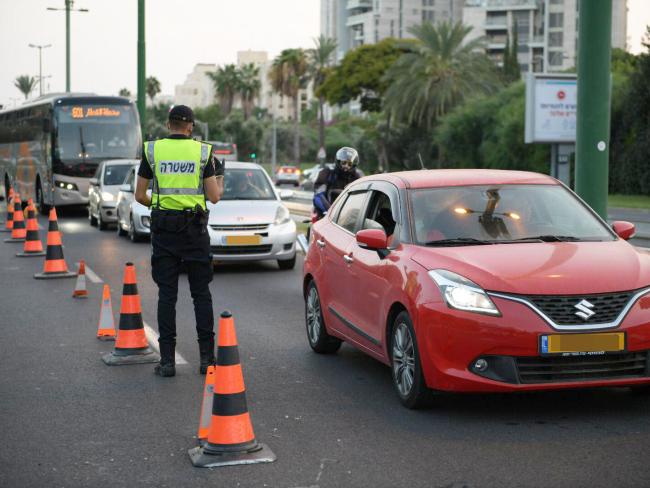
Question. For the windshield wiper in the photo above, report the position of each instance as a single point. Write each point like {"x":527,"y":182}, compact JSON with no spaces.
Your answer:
{"x":458,"y":241}
{"x":550,"y":238}
{"x":81,"y":142}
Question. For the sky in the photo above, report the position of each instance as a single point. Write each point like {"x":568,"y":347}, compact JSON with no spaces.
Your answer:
{"x":179,"y":34}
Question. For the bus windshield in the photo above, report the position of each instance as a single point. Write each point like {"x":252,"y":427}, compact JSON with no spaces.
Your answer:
{"x":95,"y":132}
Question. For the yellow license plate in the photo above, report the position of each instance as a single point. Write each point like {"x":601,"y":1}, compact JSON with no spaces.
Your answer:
{"x":243,"y":240}
{"x":576,"y":343}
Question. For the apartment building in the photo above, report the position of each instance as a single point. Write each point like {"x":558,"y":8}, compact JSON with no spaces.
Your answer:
{"x":547,"y":30}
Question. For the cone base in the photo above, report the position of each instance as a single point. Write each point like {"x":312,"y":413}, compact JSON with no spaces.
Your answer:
{"x":15,"y":240}
{"x":30,"y":254}
{"x":201,"y":460}
{"x":5,"y":230}
{"x":106,"y":336}
{"x":80,"y":295}
{"x":51,"y":276}
{"x":116,"y":359}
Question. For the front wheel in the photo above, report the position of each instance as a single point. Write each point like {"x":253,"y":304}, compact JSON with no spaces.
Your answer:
{"x":43,"y":209}
{"x":319,"y":340}
{"x":406,"y":368}
{"x":287,"y":263}
{"x":120,"y":231}
{"x":100,"y":221}
{"x":133,"y":234}
{"x":91,"y":218}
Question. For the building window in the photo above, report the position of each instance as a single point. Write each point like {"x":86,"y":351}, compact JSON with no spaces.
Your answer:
{"x":555,"y":39}
{"x":557,"y":2}
{"x":555,"y":58}
{"x":392,"y":28}
{"x":428,"y":16}
{"x":428,"y":3}
{"x":556,"y":20}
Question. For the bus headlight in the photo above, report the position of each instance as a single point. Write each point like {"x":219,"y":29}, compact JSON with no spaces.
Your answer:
{"x":64,"y":185}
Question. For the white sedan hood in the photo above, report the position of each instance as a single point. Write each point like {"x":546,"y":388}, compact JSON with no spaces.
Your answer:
{"x":242,"y":212}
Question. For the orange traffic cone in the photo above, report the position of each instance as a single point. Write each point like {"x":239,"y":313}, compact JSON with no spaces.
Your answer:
{"x":55,"y":266}
{"x":206,"y":406}
{"x":80,"y":290}
{"x":9,"y":221}
{"x":33,"y":245}
{"x":19,"y":231}
{"x":131,"y":346}
{"x":230,"y":439}
{"x":106,"y":326}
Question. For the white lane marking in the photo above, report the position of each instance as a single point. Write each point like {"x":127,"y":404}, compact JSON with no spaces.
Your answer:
{"x":92,"y":276}
{"x":152,"y":337}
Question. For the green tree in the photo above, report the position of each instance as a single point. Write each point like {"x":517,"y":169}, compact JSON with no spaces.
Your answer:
{"x":25,"y":84}
{"x":511,"y":68}
{"x":439,"y":70}
{"x":249,"y":87}
{"x":124,"y":92}
{"x":226,"y":82}
{"x":211,"y":115}
{"x":320,"y":58}
{"x":152,"y":87}
{"x":288,"y":76}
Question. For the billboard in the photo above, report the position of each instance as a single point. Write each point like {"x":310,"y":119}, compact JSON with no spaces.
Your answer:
{"x":551,"y":108}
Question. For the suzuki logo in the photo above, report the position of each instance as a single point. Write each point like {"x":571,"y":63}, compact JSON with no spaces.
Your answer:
{"x":585,"y":310}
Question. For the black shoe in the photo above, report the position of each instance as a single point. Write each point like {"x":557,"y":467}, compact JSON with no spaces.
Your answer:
{"x":165,"y":370}
{"x":206,"y":351}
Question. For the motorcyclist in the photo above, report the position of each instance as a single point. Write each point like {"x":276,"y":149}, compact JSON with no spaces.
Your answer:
{"x":331,"y":182}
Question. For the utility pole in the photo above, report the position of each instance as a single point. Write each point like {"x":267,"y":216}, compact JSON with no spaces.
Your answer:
{"x":141,"y":68}
{"x":68,"y":8}
{"x":594,"y":93}
{"x":40,"y":48}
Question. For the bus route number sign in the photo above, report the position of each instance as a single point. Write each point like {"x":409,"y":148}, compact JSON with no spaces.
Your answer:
{"x":92,"y":112}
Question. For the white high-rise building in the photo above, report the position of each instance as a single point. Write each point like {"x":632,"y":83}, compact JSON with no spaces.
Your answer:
{"x":355,"y":22}
{"x":547,"y":30}
{"x":198,"y":89}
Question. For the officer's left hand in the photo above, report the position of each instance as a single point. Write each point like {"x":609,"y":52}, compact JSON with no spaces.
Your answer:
{"x":219,"y":166}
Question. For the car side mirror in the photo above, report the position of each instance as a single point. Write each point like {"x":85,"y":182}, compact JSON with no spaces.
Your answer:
{"x":284,"y":194}
{"x":126,"y":188}
{"x":373,"y":239}
{"x":624,"y":230}
{"x":93,"y":181}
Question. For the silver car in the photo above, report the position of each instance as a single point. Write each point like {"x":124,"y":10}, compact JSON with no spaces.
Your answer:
{"x":133,"y":218}
{"x":103,"y":190}
{"x":250,"y":223}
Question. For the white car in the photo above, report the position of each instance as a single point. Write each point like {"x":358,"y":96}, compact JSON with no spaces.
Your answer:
{"x":250,"y":223}
{"x":133,"y":218}
{"x":103,"y":189}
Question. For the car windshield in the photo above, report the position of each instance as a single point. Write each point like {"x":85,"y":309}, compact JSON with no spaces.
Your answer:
{"x":247,"y":184}
{"x":468,"y":215}
{"x":114,"y":174}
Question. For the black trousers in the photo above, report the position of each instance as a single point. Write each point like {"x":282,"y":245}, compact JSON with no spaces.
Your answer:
{"x":189,"y":248}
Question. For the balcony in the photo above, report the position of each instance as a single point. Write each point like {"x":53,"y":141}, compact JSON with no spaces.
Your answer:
{"x":511,"y":4}
{"x":354,"y":4}
{"x":358,"y":19}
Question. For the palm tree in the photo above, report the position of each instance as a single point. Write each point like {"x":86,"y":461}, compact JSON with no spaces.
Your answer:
{"x":320,"y":58}
{"x":288,"y":76}
{"x":249,"y":87}
{"x":152,"y":87}
{"x":25,"y":84}
{"x":436,"y":73}
{"x":124,"y":92}
{"x":226,"y":84}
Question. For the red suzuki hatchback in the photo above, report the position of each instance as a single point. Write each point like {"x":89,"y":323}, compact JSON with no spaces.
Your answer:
{"x":479,"y":281}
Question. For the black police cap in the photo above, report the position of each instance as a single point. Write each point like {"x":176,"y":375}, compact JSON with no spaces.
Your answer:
{"x":182,"y":113}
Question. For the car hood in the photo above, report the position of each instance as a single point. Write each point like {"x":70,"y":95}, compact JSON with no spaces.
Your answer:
{"x":559,"y":268}
{"x":240,"y":212}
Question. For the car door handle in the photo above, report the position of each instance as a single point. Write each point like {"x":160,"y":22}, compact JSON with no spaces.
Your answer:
{"x":320,"y":243}
{"x":348,"y":259}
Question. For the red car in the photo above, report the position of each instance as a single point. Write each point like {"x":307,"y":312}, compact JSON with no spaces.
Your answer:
{"x":479,"y":281}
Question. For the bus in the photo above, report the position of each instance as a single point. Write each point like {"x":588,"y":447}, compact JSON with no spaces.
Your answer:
{"x":51,"y":146}
{"x":225,"y":150}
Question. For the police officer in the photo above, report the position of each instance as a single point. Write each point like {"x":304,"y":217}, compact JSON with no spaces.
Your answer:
{"x":185,"y":173}
{"x":329,"y":183}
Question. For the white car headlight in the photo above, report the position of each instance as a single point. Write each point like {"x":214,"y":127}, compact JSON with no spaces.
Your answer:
{"x":107,"y":197}
{"x":463,"y":294}
{"x":282,"y":216}
{"x":146,"y":221}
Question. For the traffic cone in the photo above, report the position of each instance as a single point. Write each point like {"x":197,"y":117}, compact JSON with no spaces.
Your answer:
{"x":80,"y":290}
{"x":19,"y":231}
{"x":206,"y":406}
{"x":131,"y":346}
{"x":106,"y":326}
{"x":55,"y":266}
{"x":33,"y":245}
{"x":230,"y":438}
{"x":9,"y":221}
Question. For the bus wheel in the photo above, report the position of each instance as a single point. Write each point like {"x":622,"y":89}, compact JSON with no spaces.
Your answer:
{"x":40,"y":199}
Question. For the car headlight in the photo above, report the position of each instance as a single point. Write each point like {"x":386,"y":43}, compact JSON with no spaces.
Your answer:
{"x":146,"y":221}
{"x":107,"y":197}
{"x":463,"y":294}
{"x":64,"y":185}
{"x":282,"y":216}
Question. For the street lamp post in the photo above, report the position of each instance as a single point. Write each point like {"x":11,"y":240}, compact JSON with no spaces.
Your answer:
{"x":142,"y":94}
{"x":68,"y":8}
{"x":40,"y":48}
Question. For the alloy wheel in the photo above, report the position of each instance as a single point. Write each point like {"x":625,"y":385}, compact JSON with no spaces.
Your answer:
{"x":403,"y":359}
{"x":313,"y":316}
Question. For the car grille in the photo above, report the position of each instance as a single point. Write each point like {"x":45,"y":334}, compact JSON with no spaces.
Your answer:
{"x":243,"y":227}
{"x":241,"y":250}
{"x":562,"y":310}
{"x":554,"y":369}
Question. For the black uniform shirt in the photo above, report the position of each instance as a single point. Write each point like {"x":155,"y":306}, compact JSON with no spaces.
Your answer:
{"x":215,"y":168}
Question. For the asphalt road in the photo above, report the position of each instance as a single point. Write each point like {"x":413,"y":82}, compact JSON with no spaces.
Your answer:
{"x":68,"y":420}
